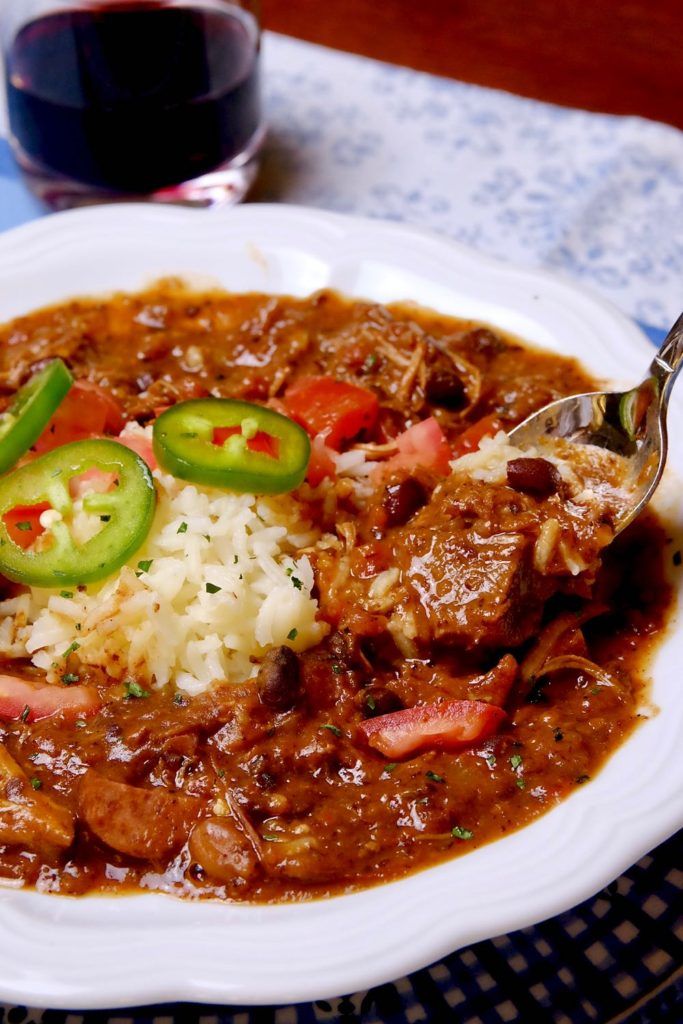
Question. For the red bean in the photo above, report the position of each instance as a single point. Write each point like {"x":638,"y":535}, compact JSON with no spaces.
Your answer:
{"x":533,"y":476}
{"x":279,"y":679}
{"x":446,"y":389}
{"x":402,"y":500}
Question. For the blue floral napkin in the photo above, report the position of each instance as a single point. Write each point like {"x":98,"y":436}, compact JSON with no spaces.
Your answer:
{"x":594,"y":197}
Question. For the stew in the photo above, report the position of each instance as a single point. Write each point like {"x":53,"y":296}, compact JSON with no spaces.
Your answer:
{"x":425,"y":644}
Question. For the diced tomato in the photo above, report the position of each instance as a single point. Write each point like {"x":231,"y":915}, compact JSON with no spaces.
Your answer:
{"x":423,"y":446}
{"x":87,"y":411}
{"x":92,"y":481}
{"x":321,"y":463}
{"x":332,"y":408}
{"x":444,"y":725}
{"x":142,"y":446}
{"x":23,"y":523}
{"x":31,"y":701}
{"x":263,"y":443}
{"x":471,"y":438}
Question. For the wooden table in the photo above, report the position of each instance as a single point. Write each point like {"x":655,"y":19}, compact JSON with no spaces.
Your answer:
{"x":620,"y":56}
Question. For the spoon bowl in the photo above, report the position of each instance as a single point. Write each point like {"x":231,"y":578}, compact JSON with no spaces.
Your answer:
{"x":630,"y":424}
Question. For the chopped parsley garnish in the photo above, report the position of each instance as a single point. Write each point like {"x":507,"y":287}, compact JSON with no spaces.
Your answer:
{"x":71,"y":649}
{"x":25,"y":713}
{"x":211,"y":588}
{"x":134,"y":691}
{"x":491,"y":761}
{"x":293,"y":634}
{"x":461,"y":833}
{"x":516,"y":761}
{"x":179,"y":700}
{"x":288,"y":572}
{"x":336,"y":668}
{"x":66,"y":594}
{"x":145,"y":565}
{"x":434,"y":777}
{"x":370,"y":702}
{"x":389,"y":768}
{"x":582,"y":778}
{"x":25,"y":527}
{"x":296,"y":582}
{"x":269,"y":837}
{"x":36,"y":783}
{"x":182,"y":528}
{"x":69,"y":678}
{"x":595,"y":690}
{"x":332,"y":728}
{"x":520,"y":783}
{"x":370,"y":362}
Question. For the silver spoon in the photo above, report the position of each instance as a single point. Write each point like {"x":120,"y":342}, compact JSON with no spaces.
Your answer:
{"x":630,"y":423}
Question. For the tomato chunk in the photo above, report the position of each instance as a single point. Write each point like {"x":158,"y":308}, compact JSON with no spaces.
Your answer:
{"x":422,"y":446}
{"x":31,"y":701}
{"x":332,"y":408}
{"x":87,"y":411}
{"x":444,"y":725}
{"x":470,"y":439}
{"x":23,"y":523}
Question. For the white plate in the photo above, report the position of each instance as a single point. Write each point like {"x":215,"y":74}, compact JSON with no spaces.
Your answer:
{"x":105,"y":952}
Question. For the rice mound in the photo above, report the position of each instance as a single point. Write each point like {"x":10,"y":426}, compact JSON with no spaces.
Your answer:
{"x":227,"y":579}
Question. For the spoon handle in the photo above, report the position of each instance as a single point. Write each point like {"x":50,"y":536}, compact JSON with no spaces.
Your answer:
{"x":669,"y":359}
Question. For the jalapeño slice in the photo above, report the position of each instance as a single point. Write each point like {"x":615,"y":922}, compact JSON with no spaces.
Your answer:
{"x":232,"y":445}
{"x":34,"y":404}
{"x":126,"y":511}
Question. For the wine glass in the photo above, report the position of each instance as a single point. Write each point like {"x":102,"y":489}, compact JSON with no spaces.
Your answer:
{"x":148,"y":99}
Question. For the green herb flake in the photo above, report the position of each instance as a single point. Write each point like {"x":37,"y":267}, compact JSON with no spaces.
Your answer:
{"x":67,"y":595}
{"x":332,"y":728}
{"x":370,"y":702}
{"x":516,"y":761}
{"x":134,"y":691}
{"x":520,"y":783}
{"x":69,"y":678}
{"x":270,"y":837}
{"x":434,"y":777}
{"x":221,"y":773}
{"x":370,"y":362}
{"x":491,"y":761}
{"x":389,"y":768}
{"x":25,"y":527}
{"x":25,"y":713}
{"x":179,"y":700}
{"x":288,"y":572}
{"x":296,"y":582}
{"x":182,"y":528}
{"x":293,"y":634}
{"x":71,"y":649}
{"x":595,"y":690}
{"x":211,"y":588}
{"x":336,"y":667}
{"x":461,"y":833}
{"x":36,"y":783}
{"x":145,"y":565}
{"x":235,"y":560}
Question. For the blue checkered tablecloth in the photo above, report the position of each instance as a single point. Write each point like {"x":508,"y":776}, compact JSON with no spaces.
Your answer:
{"x":586,"y":195}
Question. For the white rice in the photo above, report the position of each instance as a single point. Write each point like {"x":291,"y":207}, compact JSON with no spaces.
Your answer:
{"x":162,"y":625}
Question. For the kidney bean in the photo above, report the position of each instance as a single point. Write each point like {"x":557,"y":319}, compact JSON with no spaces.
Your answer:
{"x":279,"y":679}
{"x":222,"y":850}
{"x":402,"y":500}
{"x":446,"y":389}
{"x":533,"y":476}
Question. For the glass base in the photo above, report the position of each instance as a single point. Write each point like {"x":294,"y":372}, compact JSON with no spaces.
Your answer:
{"x":225,"y":186}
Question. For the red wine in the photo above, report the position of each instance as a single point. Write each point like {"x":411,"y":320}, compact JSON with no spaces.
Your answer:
{"x":135,"y":97}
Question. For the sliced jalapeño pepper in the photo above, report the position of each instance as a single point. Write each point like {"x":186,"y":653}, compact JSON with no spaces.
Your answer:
{"x":34,"y":404}
{"x":232,"y":445}
{"x":117,"y":487}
